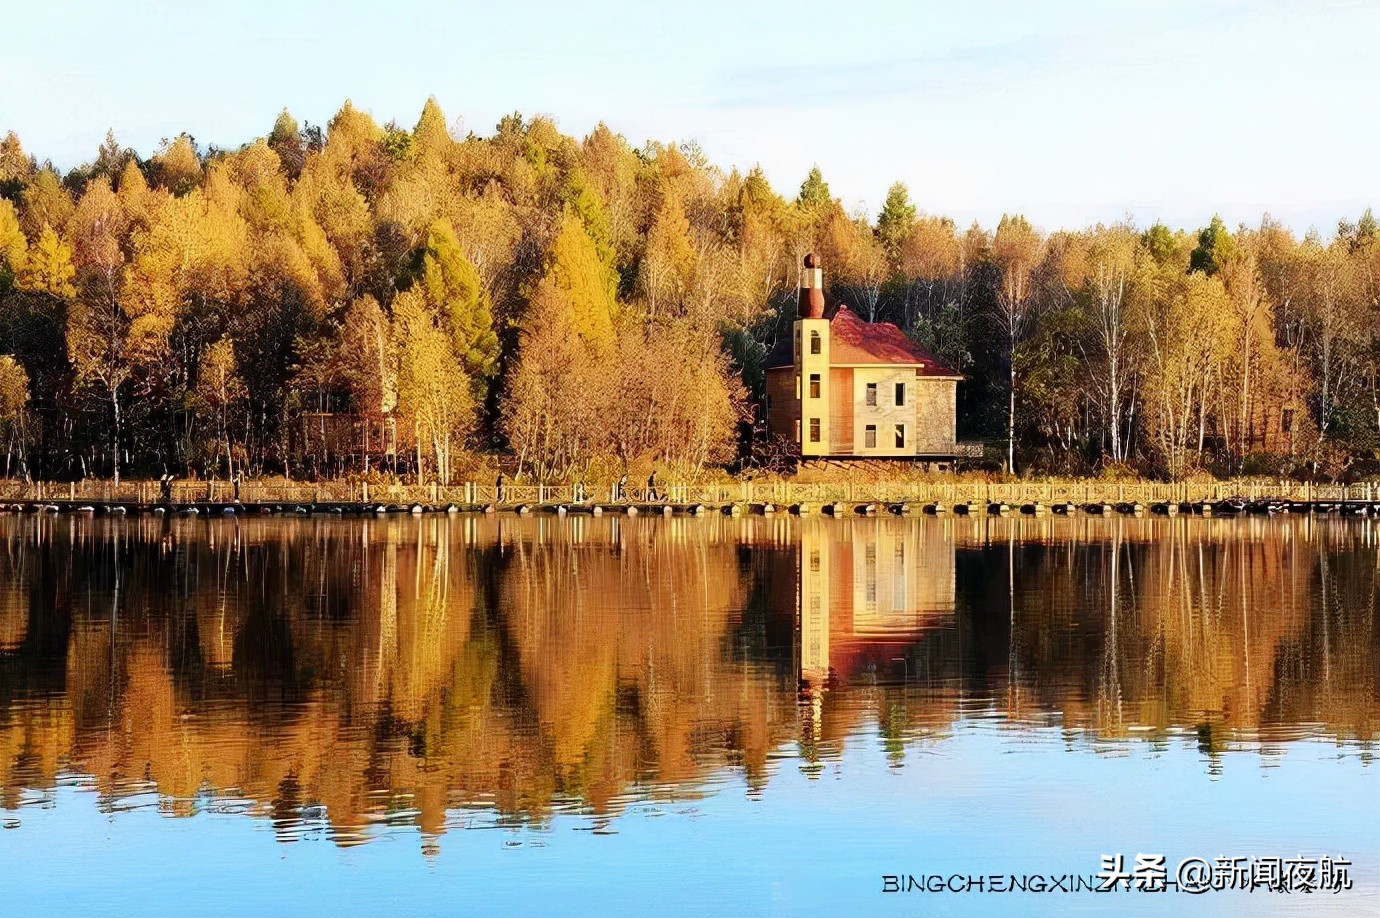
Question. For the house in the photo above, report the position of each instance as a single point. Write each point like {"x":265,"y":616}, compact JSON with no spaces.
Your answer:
{"x":841,"y":386}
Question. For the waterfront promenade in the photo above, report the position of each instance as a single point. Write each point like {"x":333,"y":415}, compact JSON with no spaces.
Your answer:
{"x":730,"y":497}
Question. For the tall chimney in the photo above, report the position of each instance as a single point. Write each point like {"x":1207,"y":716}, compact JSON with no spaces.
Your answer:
{"x":811,"y":302}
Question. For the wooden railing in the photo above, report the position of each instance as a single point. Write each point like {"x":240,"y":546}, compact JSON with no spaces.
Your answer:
{"x":780,"y":492}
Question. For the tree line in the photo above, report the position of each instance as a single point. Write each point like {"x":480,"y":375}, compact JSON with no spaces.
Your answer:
{"x":359,"y":298}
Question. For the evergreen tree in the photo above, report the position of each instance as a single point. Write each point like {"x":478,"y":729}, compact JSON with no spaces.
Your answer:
{"x":895,"y":221}
{"x":814,"y":192}
{"x":455,"y":294}
{"x":1215,"y":248}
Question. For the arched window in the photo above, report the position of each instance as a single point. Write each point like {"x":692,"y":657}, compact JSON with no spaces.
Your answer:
{"x":815,"y":343}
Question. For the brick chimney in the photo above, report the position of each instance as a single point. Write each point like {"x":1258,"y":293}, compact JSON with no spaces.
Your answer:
{"x":811,"y":302}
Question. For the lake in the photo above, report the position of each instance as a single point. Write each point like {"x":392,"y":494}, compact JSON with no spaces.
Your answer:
{"x":760,"y":715}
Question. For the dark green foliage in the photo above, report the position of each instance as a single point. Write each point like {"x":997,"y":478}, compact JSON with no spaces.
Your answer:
{"x":1215,"y":247}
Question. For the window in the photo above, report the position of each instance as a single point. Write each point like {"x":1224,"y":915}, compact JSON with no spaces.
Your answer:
{"x":814,"y":560}
{"x":871,"y":400}
{"x":900,"y":394}
{"x":815,"y":344}
{"x":814,"y":430}
{"x":797,"y":385}
{"x":900,"y":436}
{"x":814,"y":385}
{"x":870,"y":436}
{"x":870,"y":575}
{"x":898,"y":598}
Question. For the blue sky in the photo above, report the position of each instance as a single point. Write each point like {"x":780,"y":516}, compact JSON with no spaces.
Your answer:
{"x":1069,"y":112}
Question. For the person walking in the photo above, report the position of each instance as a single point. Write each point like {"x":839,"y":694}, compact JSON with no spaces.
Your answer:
{"x":620,"y":490}
{"x":651,"y":486}
{"x":500,"y":489}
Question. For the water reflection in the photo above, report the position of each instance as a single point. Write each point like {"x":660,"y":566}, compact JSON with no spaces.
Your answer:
{"x":337,"y":676}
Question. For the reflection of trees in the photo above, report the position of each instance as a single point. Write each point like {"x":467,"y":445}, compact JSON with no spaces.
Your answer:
{"x":336,"y":673}
{"x":1231,"y":623}
{"x":370,"y":667}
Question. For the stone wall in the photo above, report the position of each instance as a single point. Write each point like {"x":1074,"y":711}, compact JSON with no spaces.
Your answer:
{"x":936,"y":406}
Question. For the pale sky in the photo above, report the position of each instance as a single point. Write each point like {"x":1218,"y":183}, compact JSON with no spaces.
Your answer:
{"x":1068,"y":112}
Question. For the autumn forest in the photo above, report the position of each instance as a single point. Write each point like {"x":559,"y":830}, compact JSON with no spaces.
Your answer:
{"x":358,"y":298}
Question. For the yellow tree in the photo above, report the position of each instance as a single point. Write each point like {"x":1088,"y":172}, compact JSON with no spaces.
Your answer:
{"x":431,"y":137}
{"x":1186,"y":322}
{"x":433,"y":389}
{"x":1108,"y":287}
{"x":14,"y":405}
{"x":1016,"y":253}
{"x":16,"y":168}
{"x":48,"y":267}
{"x":584,"y":284}
{"x":177,"y":165}
{"x":97,"y":324}
{"x":934,"y":269}
{"x":555,"y":412}
{"x":766,"y":265}
{"x":668,"y":262}
{"x":45,"y":203}
{"x":1335,"y":327}
{"x":612,"y":167}
{"x":857,"y":259}
{"x":369,"y":364}
{"x":674,"y":399}
{"x":140,"y":203}
{"x":489,"y":233}
{"x":13,"y":246}
{"x":219,"y":393}
{"x":286,"y":142}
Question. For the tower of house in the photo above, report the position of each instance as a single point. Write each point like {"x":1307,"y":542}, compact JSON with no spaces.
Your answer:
{"x":812,"y":362}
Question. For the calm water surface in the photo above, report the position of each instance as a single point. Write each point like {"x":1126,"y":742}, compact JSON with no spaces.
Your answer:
{"x":549,"y":715}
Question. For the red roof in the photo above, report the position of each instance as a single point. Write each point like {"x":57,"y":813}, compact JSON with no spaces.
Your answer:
{"x":853,"y":342}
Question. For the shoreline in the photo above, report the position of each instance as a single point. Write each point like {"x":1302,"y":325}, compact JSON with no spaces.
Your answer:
{"x":213,"y":509}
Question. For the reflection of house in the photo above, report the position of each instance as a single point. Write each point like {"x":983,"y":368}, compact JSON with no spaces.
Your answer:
{"x":844,"y":387}
{"x":869,"y":587}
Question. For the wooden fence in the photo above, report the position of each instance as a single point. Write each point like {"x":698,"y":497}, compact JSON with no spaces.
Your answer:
{"x":783,"y":492}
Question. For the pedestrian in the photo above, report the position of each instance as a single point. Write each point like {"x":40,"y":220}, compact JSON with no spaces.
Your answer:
{"x":620,"y":493}
{"x":236,"y":482}
{"x":651,"y":486}
{"x":165,"y":488}
{"x":500,"y":489}
{"x":579,"y":492}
